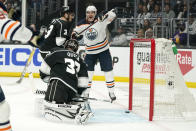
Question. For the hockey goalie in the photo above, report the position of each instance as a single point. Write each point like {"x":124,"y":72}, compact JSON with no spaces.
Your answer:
{"x":68,"y":81}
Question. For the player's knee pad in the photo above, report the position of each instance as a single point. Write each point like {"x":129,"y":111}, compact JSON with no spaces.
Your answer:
{"x":60,"y":112}
{"x":4,"y":111}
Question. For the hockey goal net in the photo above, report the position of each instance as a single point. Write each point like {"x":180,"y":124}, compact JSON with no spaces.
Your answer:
{"x":157,"y":88}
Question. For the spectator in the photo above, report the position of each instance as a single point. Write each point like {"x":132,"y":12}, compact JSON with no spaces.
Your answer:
{"x":144,"y":2}
{"x":129,"y":12}
{"x":168,"y":14}
{"x":146,"y":24}
{"x":183,"y":13}
{"x":120,"y":39}
{"x":171,"y":3}
{"x":144,"y":15}
{"x":180,"y":37}
{"x":160,"y":30}
{"x":149,"y":33}
{"x":150,"y":5}
{"x":140,"y":33}
{"x":156,"y":12}
{"x":10,"y":10}
{"x":178,"y":7}
{"x":17,"y":8}
{"x":140,"y":8}
{"x":34,"y":29}
{"x":192,"y":25}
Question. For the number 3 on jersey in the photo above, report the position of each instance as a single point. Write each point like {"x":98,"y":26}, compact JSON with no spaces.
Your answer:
{"x":49,"y":31}
{"x":73,"y":66}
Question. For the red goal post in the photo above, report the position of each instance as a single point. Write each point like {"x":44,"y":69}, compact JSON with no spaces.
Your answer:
{"x":163,"y":94}
{"x":151,"y":73}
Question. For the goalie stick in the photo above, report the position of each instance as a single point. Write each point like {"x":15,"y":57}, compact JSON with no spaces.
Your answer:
{"x":90,"y":98}
{"x":26,"y":66}
{"x":79,"y":98}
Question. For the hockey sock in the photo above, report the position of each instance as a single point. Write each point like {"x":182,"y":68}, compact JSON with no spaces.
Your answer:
{"x":109,"y":80}
{"x":110,"y":84}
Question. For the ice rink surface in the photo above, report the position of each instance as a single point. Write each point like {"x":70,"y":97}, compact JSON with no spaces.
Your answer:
{"x":107,"y":116}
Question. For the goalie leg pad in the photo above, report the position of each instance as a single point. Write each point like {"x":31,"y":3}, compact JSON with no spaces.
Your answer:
{"x":60,"y":112}
{"x":85,"y":113}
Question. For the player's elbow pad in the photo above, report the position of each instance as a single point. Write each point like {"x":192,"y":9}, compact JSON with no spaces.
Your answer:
{"x":82,"y":81}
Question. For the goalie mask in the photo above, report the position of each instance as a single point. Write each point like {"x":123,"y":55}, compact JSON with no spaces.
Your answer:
{"x":72,"y":44}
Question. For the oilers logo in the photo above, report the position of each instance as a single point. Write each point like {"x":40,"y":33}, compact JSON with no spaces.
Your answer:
{"x":91,"y":34}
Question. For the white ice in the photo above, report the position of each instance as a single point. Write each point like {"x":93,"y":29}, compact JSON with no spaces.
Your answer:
{"x":107,"y":116}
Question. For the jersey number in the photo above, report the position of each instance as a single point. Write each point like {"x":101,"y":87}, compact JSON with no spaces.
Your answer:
{"x":49,"y":31}
{"x":73,"y":66}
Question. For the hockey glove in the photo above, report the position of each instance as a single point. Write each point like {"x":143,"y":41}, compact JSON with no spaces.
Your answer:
{"x":102,"y":16}
{"x":36,"y":41}
{"x":114,"y":10}
{"x":76,"y":36}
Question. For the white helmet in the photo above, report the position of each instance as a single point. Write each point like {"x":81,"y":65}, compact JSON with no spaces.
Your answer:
{"x":91,"y":8}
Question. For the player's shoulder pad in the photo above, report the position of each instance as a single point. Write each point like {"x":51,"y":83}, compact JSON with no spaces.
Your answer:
{"x":54,"y":21}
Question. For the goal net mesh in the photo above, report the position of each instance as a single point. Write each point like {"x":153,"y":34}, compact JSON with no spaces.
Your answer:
{"x":169,"y":98}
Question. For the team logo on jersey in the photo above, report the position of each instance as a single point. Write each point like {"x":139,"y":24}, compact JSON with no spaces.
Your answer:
{"x":91,"y":34}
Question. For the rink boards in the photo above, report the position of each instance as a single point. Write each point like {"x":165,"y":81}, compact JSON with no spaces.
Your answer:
{"x":13,"y":59}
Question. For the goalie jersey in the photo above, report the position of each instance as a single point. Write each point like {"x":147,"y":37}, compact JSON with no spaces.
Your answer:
{"x":95,"y":38}
{"x":12,"y":30}
{"x":67,"y":67}
{"x":57,"y":34}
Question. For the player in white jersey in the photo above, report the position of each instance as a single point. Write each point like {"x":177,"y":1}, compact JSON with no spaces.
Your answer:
{"x":10,"y":30}
{"x":96,"y":45}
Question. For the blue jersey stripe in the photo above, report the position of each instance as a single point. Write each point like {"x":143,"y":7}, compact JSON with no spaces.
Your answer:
{"x":13,"y":33}
{"x":98,"y":48}
{"x":4,"y":26}
{"x":96,"y":43}
{"x":5,"y":123}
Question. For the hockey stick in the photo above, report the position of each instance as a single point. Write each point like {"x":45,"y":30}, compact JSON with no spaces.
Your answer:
{"x":91,"y":24}
{"x":26,"y":66}
{"x":79,"y":98}
{"x":90,"y":98}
